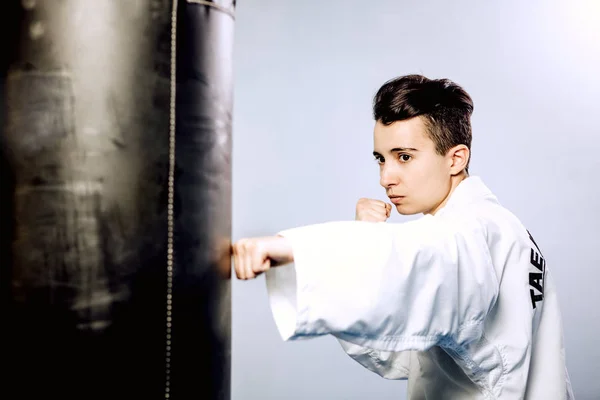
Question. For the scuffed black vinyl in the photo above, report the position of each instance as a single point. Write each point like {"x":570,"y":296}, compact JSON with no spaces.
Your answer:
{"x":85,"y":157}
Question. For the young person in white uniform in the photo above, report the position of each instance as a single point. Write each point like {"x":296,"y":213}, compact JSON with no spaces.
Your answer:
{"x":460,"y":302}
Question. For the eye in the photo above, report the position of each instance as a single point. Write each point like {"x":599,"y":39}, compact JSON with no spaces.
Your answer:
{"x":405,"y":157}
{"x":379,"y":159}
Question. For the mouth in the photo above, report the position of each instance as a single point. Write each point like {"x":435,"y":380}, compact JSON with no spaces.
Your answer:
{"x":396,"y":199}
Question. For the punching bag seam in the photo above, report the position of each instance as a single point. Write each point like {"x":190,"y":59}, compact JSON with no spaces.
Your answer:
{"x":170,"y":201}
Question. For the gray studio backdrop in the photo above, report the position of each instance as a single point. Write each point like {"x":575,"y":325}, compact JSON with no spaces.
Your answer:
{"x":305,"y":73}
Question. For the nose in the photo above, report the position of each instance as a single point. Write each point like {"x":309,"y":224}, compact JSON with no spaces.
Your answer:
{"x":389,"y":176}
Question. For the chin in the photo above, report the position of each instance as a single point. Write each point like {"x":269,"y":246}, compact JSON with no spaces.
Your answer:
{"x":407,"y":210}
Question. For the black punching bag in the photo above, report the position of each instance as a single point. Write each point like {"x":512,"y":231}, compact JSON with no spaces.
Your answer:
{"x":116,"y":199}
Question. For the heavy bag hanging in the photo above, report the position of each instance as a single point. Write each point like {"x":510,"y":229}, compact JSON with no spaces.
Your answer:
{"x":116,"y":199}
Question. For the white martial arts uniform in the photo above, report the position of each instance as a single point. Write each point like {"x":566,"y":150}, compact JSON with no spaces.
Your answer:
{"x":462,"y":304}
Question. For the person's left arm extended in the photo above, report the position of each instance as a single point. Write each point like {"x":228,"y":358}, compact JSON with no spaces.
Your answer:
{"x":393,"y":287}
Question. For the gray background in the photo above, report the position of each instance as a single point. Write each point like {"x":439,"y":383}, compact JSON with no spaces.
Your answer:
{"x":305,"y":74}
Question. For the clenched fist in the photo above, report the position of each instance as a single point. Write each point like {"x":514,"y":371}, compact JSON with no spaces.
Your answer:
{"x":253,"y":256}
{"x":372,"y":210}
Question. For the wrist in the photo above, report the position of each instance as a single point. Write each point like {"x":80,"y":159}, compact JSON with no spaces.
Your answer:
{"x":282,"y":252}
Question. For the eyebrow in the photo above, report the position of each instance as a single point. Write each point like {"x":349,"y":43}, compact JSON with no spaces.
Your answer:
{"x":397,"y":149}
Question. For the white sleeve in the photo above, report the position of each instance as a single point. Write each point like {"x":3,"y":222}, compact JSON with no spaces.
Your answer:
{"x":384,"y":286}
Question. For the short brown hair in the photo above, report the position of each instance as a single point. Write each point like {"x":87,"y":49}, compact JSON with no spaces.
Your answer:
{"x":445,"y":107}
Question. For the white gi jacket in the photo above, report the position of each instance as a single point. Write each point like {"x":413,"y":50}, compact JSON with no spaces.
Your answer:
{"x":462,"y":304}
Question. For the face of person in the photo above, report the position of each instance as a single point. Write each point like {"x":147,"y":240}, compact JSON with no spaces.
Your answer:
{"x":415,"y":177}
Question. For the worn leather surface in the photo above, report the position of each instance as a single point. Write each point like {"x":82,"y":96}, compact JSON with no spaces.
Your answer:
{"x":85,"y":140}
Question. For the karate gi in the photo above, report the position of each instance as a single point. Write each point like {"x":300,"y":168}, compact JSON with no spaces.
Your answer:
{"x":462,"y":304}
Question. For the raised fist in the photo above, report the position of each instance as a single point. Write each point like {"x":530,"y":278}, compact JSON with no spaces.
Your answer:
{"x":372,"y":210}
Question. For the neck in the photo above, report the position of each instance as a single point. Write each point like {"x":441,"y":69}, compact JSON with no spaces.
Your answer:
{"x":454,"y":181}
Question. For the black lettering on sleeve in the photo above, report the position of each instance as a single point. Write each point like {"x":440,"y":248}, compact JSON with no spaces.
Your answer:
{"x":535,"y":297}
{"x":537,"y":260}
{"x":535,"y":281}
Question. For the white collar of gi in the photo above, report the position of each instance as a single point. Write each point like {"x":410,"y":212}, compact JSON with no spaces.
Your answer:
{"x":468,"y":190}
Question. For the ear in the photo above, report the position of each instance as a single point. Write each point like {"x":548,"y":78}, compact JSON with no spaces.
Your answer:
{"x":459,"y":158}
